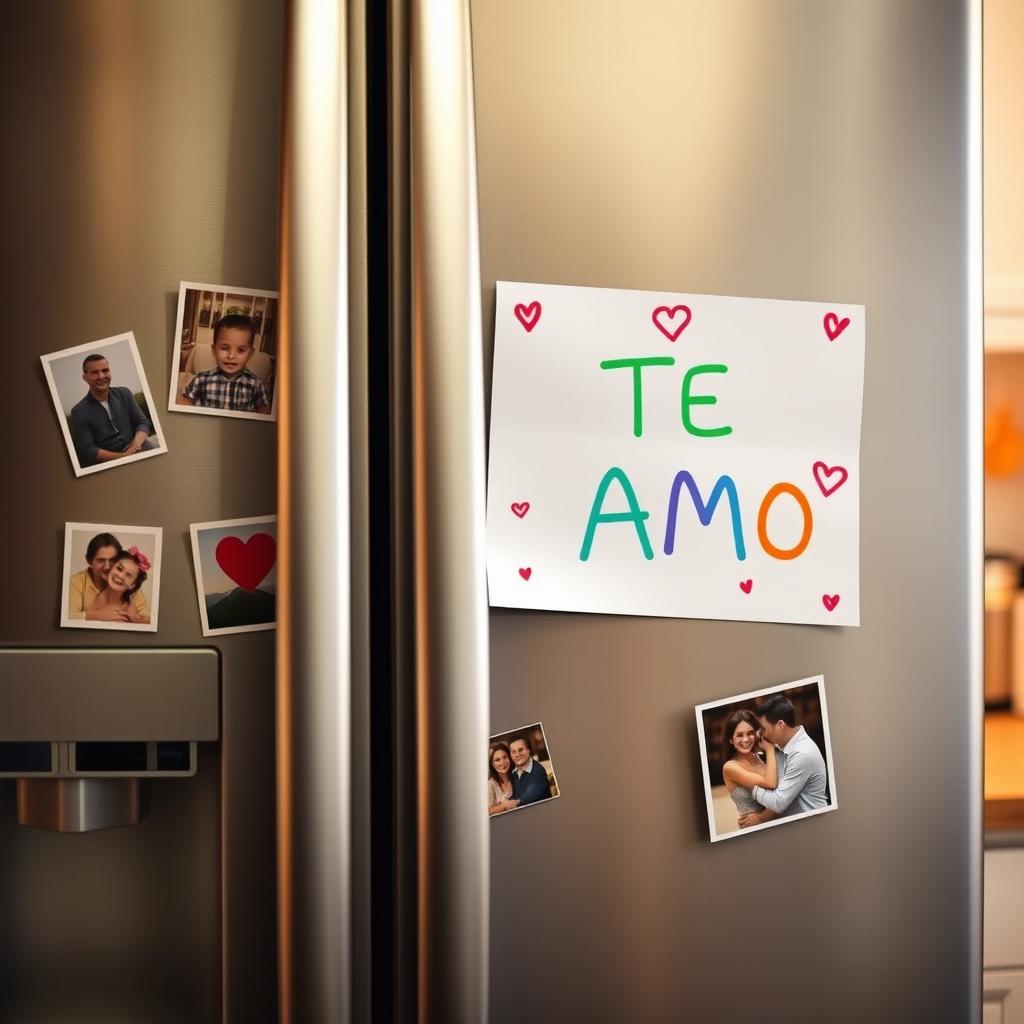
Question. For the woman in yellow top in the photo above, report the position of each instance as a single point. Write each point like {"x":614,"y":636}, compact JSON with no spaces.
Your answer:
{"x":84,"y":587}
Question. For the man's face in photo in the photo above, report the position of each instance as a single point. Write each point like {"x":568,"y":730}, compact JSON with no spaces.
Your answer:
{"x":769,"y":729}
{"x":97,"y":375}
{"x":102,"y":561}
{"x":520,"y":753}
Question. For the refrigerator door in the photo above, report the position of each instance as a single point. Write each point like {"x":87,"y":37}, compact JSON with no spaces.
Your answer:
{"x":795,"y":151}
{"x":142,"y":149}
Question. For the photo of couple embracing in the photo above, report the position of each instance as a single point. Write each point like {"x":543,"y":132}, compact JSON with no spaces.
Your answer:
{"x":766,"y":758}
{"x":519,"y":770}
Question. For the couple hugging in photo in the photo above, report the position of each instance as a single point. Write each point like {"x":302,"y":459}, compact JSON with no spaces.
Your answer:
{"x":771,"y":767}
{"x":515,"y":779}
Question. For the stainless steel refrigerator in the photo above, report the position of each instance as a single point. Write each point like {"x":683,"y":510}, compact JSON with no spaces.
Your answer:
{"x":331,"y":859}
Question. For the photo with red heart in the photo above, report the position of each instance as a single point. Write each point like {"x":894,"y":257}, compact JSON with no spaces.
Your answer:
{"x":236,"y":574}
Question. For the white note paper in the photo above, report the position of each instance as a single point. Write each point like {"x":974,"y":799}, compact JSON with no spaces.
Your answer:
{"x":656,"y":453}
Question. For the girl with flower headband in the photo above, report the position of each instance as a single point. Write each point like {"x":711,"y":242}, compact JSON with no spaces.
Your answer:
{"x":126,"y":575}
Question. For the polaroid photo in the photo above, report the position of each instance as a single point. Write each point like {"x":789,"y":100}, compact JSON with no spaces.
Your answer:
{"x":104,"y":406}
{"x":236,"y":574}
{"x":111,"y":577}
{"x":225,"y":352}
{"x":766,"y":758}
{"x":519,"y":770}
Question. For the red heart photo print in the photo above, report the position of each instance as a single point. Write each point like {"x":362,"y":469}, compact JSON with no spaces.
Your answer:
{"x":236,"y":574}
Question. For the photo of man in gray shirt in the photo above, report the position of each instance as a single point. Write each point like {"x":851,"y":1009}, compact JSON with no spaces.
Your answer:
{"x":107,"y":424}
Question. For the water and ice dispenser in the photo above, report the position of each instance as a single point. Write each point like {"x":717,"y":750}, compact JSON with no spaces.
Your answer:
{"x":82,"y":729}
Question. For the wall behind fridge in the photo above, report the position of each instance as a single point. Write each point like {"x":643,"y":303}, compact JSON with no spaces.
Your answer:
{"x":796,"y":151}
{"x":141,"y":148}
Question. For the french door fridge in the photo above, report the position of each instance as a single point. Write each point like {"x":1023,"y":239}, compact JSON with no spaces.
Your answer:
{"x":384,"y":165}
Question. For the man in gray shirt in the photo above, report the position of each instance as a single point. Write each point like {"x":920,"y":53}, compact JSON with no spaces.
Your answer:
{"x":802,"y":774}
{"x":108,"y":423}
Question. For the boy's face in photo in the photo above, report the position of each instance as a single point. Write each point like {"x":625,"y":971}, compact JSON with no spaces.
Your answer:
{"x":232,"y":348}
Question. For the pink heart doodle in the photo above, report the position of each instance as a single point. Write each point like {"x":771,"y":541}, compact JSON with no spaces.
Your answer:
{"x":526,"y":573}
{"x":823,"y":475}
{"x":520,"y":508}
{"x":663,"y":316}
{"x":834,"y":326}
{"x":746,"y":586}
{"x":528,"y":316}
{"x":830,"y":601}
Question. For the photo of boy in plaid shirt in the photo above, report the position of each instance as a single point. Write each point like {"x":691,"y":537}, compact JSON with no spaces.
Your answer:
{"x":230,"y":385}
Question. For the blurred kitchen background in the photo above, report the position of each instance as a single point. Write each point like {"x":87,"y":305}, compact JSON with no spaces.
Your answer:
{"x":1004,"y":511}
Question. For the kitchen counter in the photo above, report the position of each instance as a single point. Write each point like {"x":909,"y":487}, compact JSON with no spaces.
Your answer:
{"x":1004,"y":779}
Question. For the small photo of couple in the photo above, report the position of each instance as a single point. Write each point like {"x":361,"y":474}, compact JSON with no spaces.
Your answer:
{"x":766,"y":758}
{"x":519,"y":770}
{"x":111,"y":577}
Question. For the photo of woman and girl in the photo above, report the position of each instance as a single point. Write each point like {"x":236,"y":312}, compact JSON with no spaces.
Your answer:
{"x":111,"y":592}
{"x":766,"y":758}
{"x":519,"y":770}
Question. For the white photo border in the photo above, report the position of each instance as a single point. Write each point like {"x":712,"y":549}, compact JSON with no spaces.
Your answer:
{"x":172,"y":405}
{"x":738,"y":698}
{"x":96,"y":346}
{"x":194,"y":530}
{"x":157,"y":533}
{"x":538,"y":724}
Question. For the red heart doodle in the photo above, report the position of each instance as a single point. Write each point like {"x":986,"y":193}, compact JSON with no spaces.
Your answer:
{"x":526,"y":573}
{"x":248,"y":562}
{"x":746,"y":586}
{"x":520,"y":508}
{"x":834,"y":326}
{"x":823,"y":475}
{"x":664,"y":319}
{"x":529,"y":315}
{"x":830,"y":601}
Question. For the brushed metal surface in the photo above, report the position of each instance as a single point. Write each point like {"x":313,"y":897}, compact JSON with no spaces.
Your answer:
{"x":89,"y":693}
{"x":314,"y":668}
{"x":79,"y":805}
{"x":404,"y":968}
{"x":362,"y":653}
{"x":110,"y":925}
{"x":790,"y":150}
{"x":448,"y":510}
{"x":143,"y":145}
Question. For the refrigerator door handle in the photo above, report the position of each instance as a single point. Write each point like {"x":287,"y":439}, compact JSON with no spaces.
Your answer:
{"x":453,"y":855}
{"x":314,"y":649}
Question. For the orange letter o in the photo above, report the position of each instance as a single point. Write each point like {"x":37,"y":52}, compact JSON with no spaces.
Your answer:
{"x":762,"y":522}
